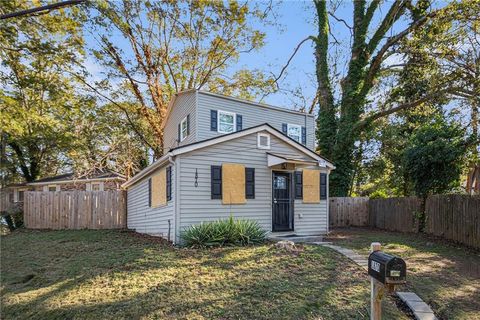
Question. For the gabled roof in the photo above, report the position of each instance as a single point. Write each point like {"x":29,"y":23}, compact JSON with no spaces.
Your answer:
{"x":223,"y":138}
{"x":171,"y":104}
{"x":95,"y":175}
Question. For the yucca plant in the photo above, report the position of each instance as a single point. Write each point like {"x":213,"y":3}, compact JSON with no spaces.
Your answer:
{"x":226,"y":232}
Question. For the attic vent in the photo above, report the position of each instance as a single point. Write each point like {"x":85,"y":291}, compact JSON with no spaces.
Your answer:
{"x":263,"y":141}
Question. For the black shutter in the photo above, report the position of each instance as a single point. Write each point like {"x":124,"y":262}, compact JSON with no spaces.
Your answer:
{"x":304,"y":135}
{"x":284,"y":128}
{"x":323,"y":186}
{"x":169,"y":183}
{"x":216,"y":182}
{"x":188,"y":124}
{"x":298,"y":185}
{"x":179,"y":129}
{"x":250,"y":183}
{"x":213,"y":120}
{"x":239,"y":122}
{"x":150,"y":192}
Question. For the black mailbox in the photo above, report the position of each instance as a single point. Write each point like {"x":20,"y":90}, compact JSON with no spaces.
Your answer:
{"x":386,"y":268}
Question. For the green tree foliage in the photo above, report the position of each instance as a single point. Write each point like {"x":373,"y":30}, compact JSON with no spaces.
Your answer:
{"x":434,"y":157}
{"x":105,"y":140}
{"x":174,"y":46}
{"x":38,"y":99}
{"x":453,"y":41}
{"x":349,"y":108}
{"x":386,"y":170}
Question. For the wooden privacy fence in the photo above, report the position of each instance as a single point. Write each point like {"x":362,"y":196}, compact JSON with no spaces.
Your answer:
{"x":346,"y":212}
{"x":395,"y":214}
{"x":5,"y":203}
{"x":453,"y":217}
{"x":75,"y":210}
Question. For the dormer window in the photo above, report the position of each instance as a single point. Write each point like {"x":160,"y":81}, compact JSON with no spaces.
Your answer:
{"x":183,"y":129}
{"x":295,"y":132}
{"x":226,"y":122}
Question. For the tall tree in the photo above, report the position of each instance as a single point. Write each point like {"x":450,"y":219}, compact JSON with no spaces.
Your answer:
{"x":38,"y":99}
{"x":342,"y":120}
{"x":105,"y":140}
{"x":173,"y":46}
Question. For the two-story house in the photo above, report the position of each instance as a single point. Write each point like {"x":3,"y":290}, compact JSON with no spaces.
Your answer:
{"x":227,"y":156}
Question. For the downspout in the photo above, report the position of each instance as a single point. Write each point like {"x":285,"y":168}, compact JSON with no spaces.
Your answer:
{"x":306,"y":131}
{"x":174,"y":201}
{"x":178,"y":164}
{"x":328,"y":201}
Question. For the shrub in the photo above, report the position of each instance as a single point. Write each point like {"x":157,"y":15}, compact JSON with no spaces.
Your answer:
{"x":227,"y":232}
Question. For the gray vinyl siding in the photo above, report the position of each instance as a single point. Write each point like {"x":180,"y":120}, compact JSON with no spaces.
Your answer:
{"x":195,"y":203}
{"x":311,"y":218}
{"x":145,"y":219}
{"x":252,"y":115}
{"x":184,"y":104}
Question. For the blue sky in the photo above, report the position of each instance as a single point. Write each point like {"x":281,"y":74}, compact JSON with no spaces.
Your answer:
{"x":296,"y":21}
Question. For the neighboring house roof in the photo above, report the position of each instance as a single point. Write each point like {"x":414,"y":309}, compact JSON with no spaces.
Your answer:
{"x":16,"y":185}
{"x":212,"y":141}
{"x":72,"y":177}
{"x":171,"y":104}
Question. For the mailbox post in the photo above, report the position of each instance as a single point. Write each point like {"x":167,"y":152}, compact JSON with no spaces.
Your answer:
{"x":385,"y":272}
{"x":376,"y":289}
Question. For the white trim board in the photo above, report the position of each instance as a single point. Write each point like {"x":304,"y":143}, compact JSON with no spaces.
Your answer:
{"x":209,"y":142}
{"x":258,"y":104}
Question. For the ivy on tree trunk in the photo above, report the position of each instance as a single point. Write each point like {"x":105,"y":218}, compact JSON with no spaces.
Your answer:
{"x":340,"y":122}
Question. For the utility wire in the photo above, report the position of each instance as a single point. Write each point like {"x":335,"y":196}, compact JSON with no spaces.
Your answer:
{"x":40,"y":9}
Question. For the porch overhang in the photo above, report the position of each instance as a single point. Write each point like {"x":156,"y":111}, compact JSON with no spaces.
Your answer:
{"x":275,"y":159}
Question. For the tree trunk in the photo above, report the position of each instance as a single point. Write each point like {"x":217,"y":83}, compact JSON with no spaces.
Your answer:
{"x":326,"y":121}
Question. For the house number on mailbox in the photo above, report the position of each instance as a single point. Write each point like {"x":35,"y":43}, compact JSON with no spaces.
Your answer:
{"x":375,"y":266}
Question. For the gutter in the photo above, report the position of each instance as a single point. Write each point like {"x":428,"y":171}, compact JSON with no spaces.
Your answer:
{"x":73,"y":181}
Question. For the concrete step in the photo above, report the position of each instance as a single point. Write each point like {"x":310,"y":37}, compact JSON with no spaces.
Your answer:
{"x":296,"y":238}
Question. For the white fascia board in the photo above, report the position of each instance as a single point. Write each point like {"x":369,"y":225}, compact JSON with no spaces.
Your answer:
{"x":158,"y":163}
{"x":281,"y":136}
{"x":199,"y":145}
{"x":257,"y":104}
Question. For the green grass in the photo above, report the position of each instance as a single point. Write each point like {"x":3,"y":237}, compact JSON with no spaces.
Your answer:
{"x":120,"y":275}
{"x":443,"y":274}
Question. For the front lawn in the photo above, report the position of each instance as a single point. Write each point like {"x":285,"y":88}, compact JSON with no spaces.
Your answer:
{"x":444,"y":275}
{"x":121,"y":275}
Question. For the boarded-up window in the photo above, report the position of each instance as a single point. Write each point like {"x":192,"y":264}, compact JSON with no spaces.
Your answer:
{"x":159,"y":193}
{"x":311,"y":186}
{"x":233,"y":183}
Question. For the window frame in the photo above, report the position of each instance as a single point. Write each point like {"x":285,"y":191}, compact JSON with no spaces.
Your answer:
{"x":259,"y":138}
{"x":99,"y":184}
{"x":182,"y":136}
{"x":234,"y":122}
{"x":290,"y":125}
{"x":22,"y":197}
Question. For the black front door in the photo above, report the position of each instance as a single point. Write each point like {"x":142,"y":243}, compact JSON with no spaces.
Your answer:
{"x":282,"y":206}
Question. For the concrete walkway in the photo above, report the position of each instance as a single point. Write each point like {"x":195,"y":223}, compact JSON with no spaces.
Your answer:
{"x":350,"y":254}
{"x":420,"y":309}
